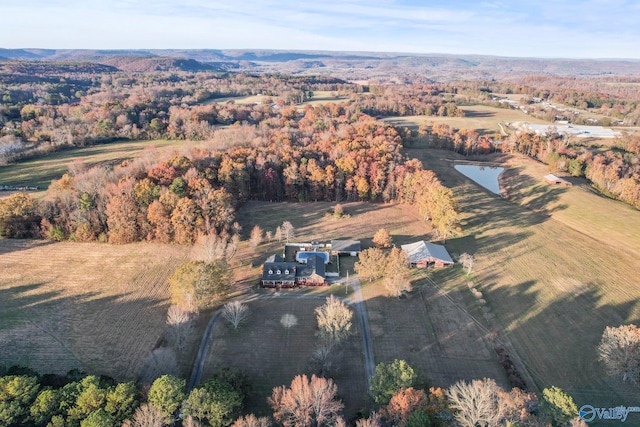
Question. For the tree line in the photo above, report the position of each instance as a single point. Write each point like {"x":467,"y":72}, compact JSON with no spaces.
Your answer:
{"x":324,"y":155}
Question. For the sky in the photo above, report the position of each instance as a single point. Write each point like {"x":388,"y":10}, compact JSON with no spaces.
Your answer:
{"x":518,"y":28}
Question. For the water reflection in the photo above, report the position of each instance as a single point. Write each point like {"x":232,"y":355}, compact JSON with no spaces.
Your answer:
{"x":486,"y":176}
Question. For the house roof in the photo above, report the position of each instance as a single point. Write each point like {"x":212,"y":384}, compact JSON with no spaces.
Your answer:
{"x":314,"y":265}
{"x":424,"y":250}
{"x":345,"y":246}
{"x":285,"y":271}
{"x":275,"y":258}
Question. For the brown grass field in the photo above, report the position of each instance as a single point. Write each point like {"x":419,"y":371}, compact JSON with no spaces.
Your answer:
{"x":481,"y":118}
{"x":97,"y":307}
{"x":556,"y":265}
{"x":272,"y":354}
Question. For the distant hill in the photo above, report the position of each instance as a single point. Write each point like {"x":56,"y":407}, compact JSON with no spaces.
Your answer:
{"x":345,"y":65}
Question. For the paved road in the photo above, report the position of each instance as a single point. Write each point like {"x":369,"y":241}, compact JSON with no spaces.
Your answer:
{"x":355,"y":300}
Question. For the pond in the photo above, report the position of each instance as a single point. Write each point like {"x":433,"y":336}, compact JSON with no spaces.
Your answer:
{"x":486,"y":176}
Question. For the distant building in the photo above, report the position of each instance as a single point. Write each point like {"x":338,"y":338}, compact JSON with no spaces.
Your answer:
{"x":424,"y":254}
{"x":552,"y":179}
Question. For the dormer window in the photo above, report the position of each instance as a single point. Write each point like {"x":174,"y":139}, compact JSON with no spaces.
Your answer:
{"x":270,"y":271}
{"x":286,"y":271}
{"x":279,"y":272}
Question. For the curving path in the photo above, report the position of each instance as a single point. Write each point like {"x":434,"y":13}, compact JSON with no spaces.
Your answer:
{"x":355,"y":300}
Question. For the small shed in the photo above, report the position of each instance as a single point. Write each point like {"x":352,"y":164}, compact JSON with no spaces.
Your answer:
{"x":279,"y":275}
{"x":552,"y":179}
{"x":423,"y":254}
{"x":345,"y":247}
{"x":312,"y":273}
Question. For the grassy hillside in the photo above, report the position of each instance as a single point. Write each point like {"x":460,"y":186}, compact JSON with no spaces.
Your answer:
{"x":556,"y":266}
{"x":96,"y":307}
{"x":39,"y":171}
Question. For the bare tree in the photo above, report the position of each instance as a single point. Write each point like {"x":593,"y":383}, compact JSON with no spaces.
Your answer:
{"x":306,"y":403}
{"x":374,"y":420}
{"x":467,"y":262}
{"x":161,"y":361}
{"x":190,"y":422}
{"x":148,"y":415}
{"x":256,"y":236}
{"x":268,"y":236}
{"x":235,"y":313}
{"x":180,"y":326}
{"x":619,"y":349}
{"x":334,"y":320}
{"x":278,"y":234}
{"x":396,"y":285}
{"x":252,"y":421}
{"x":288,"y":231}
{"x":324,"y":358}
{"x":475,"y":403}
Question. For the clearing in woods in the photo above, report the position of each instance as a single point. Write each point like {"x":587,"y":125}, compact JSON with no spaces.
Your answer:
{"x":100,"y":308}
{"x":41,"y":170}
{"x":483,"y":119}
{"x":556,"y":266}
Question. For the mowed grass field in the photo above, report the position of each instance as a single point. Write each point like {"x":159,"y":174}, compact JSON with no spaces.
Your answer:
{"x":483,"y":119}
{"x":272,"y":354}
{"x":40,"y":171}
{"x":556,"y":266}
{"x":96,"y":307}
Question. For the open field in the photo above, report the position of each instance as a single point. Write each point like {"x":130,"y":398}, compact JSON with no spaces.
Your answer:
{"x":556,"y":266}
{"x":481,"y":118}
{"x":319,"y":97}
{"x":96,"y":307}
{"x":39,"y":171}
{"x":273,"y":354}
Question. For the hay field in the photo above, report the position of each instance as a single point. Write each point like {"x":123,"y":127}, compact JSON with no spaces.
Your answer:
{"x":39,"y":171}
{"x":273,"y":354}
{"x":481,"y":118}
{"x":100,"y":308}
{"x":556,"y":266}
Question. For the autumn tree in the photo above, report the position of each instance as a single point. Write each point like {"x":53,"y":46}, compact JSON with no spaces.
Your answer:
{"x":235,"y":313}
{"x":374,"y":420}
{"x":382,"y":238}
{"x":200,"y":285}
{"x":467,"y":262}
{"x":334,"y":320}
{"x":306,"y":403}
{"x":396,"y":274}
{"x":389,"y":379}
{"x":18,"y":217}
{"x":403,"y":404}
{"x":619,"y":350}
{"x":371,"y":264}
{"x":256,"y":236}
{"x":122,"y":214}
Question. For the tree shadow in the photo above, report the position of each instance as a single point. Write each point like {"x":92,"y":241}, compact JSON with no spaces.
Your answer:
{"x":53,"y":332}
{"x":17,"y":245}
